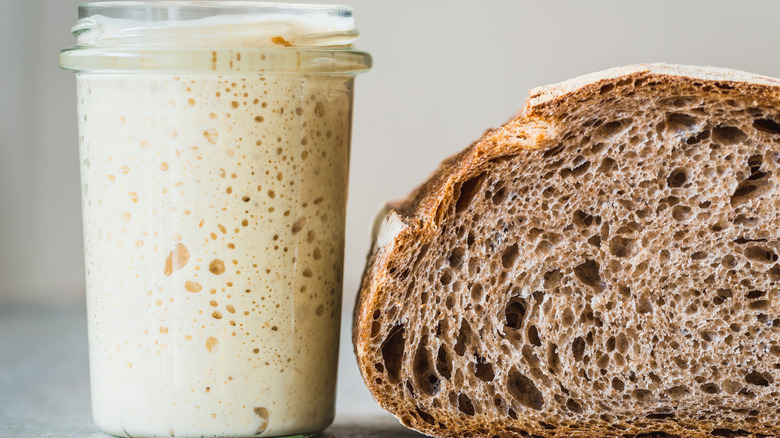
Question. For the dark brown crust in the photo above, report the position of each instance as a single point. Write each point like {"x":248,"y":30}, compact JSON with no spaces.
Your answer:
{"x":533,"y":128}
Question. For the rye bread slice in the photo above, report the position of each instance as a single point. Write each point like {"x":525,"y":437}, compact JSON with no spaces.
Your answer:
{"x":605,"y":264}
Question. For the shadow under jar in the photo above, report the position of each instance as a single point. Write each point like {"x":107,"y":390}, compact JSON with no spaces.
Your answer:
{"x":214,"y":146}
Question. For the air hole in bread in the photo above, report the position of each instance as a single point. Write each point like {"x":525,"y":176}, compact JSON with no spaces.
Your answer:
{"x":607,"y":165}
{"x":603,"y":362}
{"x":588,"y":274}
{"x":514,"y":313}
{"x":483,"y":370}
{"x":680,"y":101}
{"x":728,"y":135}
{"x":774,"y":273}
{"x":677,"y":178}
{"x":424,"y":377}
{"x":606,"y":88}
{"x":468,"y":190}
{"x":441,"y":211}
{"x":573,"y":406}
{"x":579,"y":170}
{"x":457,"y":285}
{"x":621,"y":343}
{"x":612,"y":129}
{"x":723,"y":294}
{"x":748,"y":394}
{"x":393,"y":352}
{"x":656,"y":381}
{"x":464,"y":337}
{"x":678,"y":391}
{"x":760,"y":254}
{"x":546,"y":425}
{"x":699,"y":255}
{"x":567,"y":317}
{"x":441,"y":327}
{"x":745,"y":220}
{"x":421,"y":254}
{"x":443,"y":363}
{"x":756,"y":378}
{"x":596,"y":148}
{"x":708,"y":336}
{"x":465,"y":405}
{"x":411,"y":288}
{"x":424,"y":416}
{"x":655,"y":434}
{"x":698,"y":138}
{"x":509,"y":256}
{"x":450,"y":301}
{"x":751,"y":189}
{"x":728,"y":433}
{"x":529,"y":357}
{"x":578,"y":348}
{"x":767,"y":125}
{"x":410,"y":389}
{"x":608,"y":418}
{"x":456,"y":257}
{"x":709,"y":388}
{"x":582,"y":219}
{"x":543,"y":247}
{"x":476,"y":292}
{"x":611,"y":344}
{"x":446,"y":277}
{"x":621,"y":246}
{"x":681,"y":123}
{"x":553,"y":360}
{"x":754,"y":163}
{"x":533,"y":336}
{"x":499,"y":196}
{"x":642,"y":395}
{"x":552,"y":279}
{"x":523,"y":390}
{"x":618,"y":384}
{"x":553,"y":151}
{"x":681,"y":213}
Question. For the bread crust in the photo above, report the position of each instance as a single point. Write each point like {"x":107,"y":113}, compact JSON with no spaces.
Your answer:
{"x":417,"y":217}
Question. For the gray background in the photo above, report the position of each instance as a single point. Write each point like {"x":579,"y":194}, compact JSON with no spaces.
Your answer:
{"x":445,"y":71}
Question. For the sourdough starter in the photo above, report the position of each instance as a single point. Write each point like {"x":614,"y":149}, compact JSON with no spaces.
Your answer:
{"x":214,"y":211}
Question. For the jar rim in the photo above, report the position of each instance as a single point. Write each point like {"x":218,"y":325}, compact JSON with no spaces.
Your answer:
{"x":156,"y":35}
{"x":155,"y":8}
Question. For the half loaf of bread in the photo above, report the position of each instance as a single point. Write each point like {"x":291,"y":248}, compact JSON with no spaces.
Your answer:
{"x":604,"y":265}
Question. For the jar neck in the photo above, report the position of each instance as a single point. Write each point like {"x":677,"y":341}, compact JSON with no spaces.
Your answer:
{"x":175,"y":35}
{"x":213,"y":24}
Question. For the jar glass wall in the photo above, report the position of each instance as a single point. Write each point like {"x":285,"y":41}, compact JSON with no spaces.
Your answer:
{"x":214,"y":147}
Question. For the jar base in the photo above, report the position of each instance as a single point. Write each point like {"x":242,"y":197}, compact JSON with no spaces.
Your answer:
{"x":127,"y":435}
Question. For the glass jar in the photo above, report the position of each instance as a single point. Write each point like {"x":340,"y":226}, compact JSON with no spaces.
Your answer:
{"x":214,"y":145}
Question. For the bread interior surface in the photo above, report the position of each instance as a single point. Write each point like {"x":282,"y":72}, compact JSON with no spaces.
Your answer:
{"x":624,"y":277}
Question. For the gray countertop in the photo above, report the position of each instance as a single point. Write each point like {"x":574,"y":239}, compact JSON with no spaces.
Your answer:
{"x":44,"y":382}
